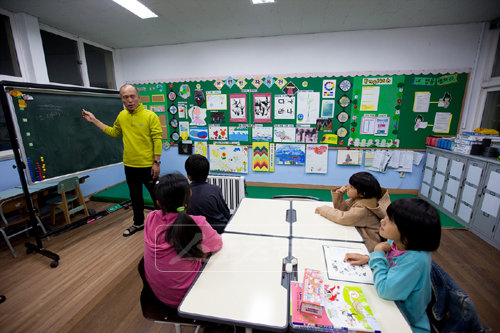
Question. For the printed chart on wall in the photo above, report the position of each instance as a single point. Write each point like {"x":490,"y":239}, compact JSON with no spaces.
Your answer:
{"x":299,"y":118}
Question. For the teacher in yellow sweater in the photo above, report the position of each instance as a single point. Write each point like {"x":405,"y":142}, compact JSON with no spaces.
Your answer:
{"x":142,"y":146}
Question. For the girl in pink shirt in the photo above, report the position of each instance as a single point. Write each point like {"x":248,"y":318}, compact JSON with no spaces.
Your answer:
{"x":174,"y":242}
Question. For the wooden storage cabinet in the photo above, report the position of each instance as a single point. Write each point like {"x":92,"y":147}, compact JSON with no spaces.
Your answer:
{"x":466,"y":188}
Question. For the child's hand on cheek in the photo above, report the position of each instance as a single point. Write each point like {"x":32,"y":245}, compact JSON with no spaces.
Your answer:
{"x":383,"y":246}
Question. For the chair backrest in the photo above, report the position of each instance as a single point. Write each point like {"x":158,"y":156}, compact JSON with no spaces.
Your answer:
{"x":68,"y":184}
{"x":295,"y":197}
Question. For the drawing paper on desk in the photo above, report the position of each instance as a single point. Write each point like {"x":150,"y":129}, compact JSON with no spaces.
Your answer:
{"x":337,"y":269}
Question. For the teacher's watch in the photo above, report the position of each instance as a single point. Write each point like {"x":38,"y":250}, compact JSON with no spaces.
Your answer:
{"x":157,"y":162}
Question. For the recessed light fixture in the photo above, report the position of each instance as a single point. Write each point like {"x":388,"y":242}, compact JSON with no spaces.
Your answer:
{"x":137,"y":8}
{"x":257,"y":2}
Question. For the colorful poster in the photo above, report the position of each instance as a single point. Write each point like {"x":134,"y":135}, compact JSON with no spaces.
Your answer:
{"x":217,"y":132}
{"x":290,"y":154}
{"x":327,"y":108}
{"x":316,"y":158}
{"x":329,"y":88}
{"x":198,"y":133}
{"x":382,"y":126}
{"x":261,"y":156}
{"x":182,"y":108}
{"x":228,"y":158}
{"x":238,"y":133}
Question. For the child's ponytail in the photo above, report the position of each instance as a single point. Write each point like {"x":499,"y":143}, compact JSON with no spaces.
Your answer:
{"x":172,"y":192}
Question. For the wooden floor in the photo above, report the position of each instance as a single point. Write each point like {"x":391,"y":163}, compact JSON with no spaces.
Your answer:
{"x":96,"y":286}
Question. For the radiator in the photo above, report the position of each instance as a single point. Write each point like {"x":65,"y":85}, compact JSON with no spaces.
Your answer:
{"x":233,"y":189}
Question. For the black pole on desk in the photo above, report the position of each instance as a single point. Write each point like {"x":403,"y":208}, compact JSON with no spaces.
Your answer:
{"x":38,"y":247}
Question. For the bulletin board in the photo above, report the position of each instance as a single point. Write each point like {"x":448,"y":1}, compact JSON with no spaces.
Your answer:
{"x":372,"y":111}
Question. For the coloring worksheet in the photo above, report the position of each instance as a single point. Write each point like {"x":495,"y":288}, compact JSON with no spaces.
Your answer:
{"x":339,"y":270}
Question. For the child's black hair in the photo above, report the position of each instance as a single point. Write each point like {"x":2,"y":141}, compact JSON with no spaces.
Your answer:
{"x":197,"y":167}
{"x":418,"y":223}
{"x":366,"y":185}
{"x":173,"y":191}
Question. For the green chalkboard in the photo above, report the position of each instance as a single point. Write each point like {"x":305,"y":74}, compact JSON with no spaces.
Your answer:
{"x":55,"y":139}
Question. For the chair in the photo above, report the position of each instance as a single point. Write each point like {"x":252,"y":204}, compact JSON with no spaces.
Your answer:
{"x":154,"y":309}
{"x":450,"y":308}
{"x":14,"y":211}
{"x":69,"y":193}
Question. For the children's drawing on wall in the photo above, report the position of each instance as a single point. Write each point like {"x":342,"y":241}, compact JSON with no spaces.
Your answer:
{"x":261,"y":156}
{"x":197,"y":116}
{"x":420,"y":123}
{"x":217,"y":102}
{"x":316,"y":158}
{"x":290,"y":89}
{"x":284,"y":107}
{"x":198,"y":133}
{"x":184,"y":130}
{"x":199,"y":97}
{"x":290,"y":154}
{"x":201,"y":148}
{"x":217,"y":132}
{"x":217,"y":117}
{"x":262,"y":108}
{"x":284,"y":134}
{"x":324,"y":125}
{"x":306,"y":135}
{"x":349,"y":157}
{"x":184,"y":91}
{"x":327,"y":108}
{"x":307,"y":107}
{"x":182,"y":106}
{"x":445,"y":101}
{"x":228,"y":158}
{"x":238,"y":108}
{"x":261,"y":133}
{"x":238,"y":133}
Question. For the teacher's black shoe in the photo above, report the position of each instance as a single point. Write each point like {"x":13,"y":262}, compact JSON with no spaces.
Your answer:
{"x":132,"y":230}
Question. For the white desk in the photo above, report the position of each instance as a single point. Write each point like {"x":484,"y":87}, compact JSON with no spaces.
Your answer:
{"x":261,"y":217}
{"x":309,"y":253}
{"x":242,"y":284}
{"x":311,"y":225}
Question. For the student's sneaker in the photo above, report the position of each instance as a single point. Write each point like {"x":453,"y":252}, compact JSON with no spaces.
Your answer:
{"x":132,"y":230}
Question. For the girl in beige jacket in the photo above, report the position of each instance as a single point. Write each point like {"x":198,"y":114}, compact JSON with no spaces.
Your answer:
{"x":364,"y":209}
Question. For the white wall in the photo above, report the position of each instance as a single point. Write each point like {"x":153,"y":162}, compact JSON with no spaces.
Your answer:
{"x":411,"y":50}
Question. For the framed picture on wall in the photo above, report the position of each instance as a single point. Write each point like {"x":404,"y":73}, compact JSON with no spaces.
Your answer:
{"x":262,"y":108}
{"x":238,"y":108}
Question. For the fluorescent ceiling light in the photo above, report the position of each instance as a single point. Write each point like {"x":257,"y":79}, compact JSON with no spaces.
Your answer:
{"x":137,"y":8}
{"x":256,"y":2}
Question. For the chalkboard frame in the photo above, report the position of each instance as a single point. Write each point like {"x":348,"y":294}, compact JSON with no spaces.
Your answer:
{"x":7,"y":86}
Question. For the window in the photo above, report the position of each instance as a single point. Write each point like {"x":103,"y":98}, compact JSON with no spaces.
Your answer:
{"x":491,"y":113}
{"x":62,"y":59}
{"x":4,"y":133}
{"x":8,"y":56}
{"x":100,"y":67}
